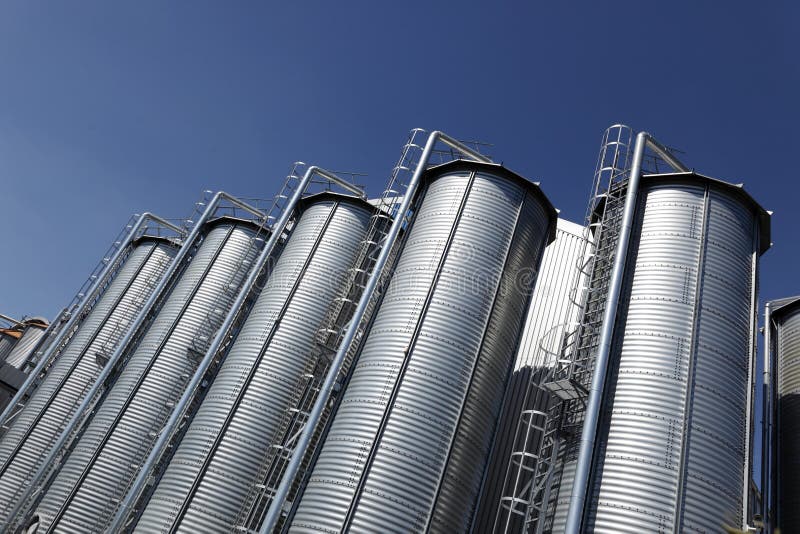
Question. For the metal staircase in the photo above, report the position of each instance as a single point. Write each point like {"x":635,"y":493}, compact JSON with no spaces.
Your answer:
{"x":555,"y":399}
{"x":550,"y":436}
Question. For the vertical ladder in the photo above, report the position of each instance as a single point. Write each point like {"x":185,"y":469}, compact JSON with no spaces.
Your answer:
{"x":563,"y":387}
{"x":47,"y":470}
{"x":148,"y":284}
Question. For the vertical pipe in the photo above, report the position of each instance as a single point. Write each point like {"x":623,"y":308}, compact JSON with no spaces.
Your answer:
{"x":751,"y":373}
{"x":589,"y":431}
{"x":78,"y":314}
{"x":336,"y":364}
{"x":766,"y":425}
{"x":177,"y":413}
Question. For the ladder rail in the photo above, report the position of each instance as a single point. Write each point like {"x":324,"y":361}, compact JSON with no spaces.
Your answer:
{"x":565,"y":380}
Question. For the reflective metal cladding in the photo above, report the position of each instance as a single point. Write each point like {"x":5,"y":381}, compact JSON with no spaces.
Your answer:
{"x":95,"y":476}
{"x":219,"y":461}
{"x":785,"y":325}
{"x":32,"y":331}
{"x":674,"y":439}
{"x":409,"y":442}
{"x":552,"y":311}
{"x":33,"y":431}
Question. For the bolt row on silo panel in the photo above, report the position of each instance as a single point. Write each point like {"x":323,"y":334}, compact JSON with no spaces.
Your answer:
{"x":32,"y":331}
{"x":35,"y":429}
{"x":409,"y":442}
{"x":673,"y":441}
{"x":552,"y":309}
{"x":85,"y":492}
{"x":216,"y":463}
{"x":786,"y":345}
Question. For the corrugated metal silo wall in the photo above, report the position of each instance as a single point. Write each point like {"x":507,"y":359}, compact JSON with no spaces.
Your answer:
{"x":409,"y":442}
{"x":6,"y":344}
{"x":23,"y":348}
{"x":788,"y":428}
{"x":218,"y":461}
{"x":672,"y":445}
{"x":32,"y":433}
{"x":89,"y":486}
{"x":552,"y":306}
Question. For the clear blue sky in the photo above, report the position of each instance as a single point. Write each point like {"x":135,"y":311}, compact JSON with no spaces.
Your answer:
{"x":110,"y":109}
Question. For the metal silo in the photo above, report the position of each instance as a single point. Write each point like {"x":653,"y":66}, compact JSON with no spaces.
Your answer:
{"x":10,"y":377}
{"x":32,"y":330}
{"x":675,"y":420}
{"x":648,"y":423}
{"x":35,"y":427}
{"x":782,"y":415}
{"x":117,"y":437}
{"x":408,"y":444}
{"x":553,"y":310}
{"x":8,"y":337}
{"x":218,"y":460}
{"x":9,"y":334}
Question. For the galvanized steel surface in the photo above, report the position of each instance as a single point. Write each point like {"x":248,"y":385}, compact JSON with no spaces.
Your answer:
{"x":277,"y":339}
{"x":788,"y":418}
{"x":7,"y":342}
{"x":31,"y":334}
{"x":88,"y":488}
{"x":430,"y":416}
{"x":552,"y":302}
{"x":672,"y":445}
{"x":34,"y":430}
{"x":552,"y":306}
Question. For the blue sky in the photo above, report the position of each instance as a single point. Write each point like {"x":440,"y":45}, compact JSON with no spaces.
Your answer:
{"x":107,"y":109}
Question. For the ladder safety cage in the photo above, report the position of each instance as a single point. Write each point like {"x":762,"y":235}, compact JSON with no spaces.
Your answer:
{"x":269,"y":501}
{"x":209,"y":347}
